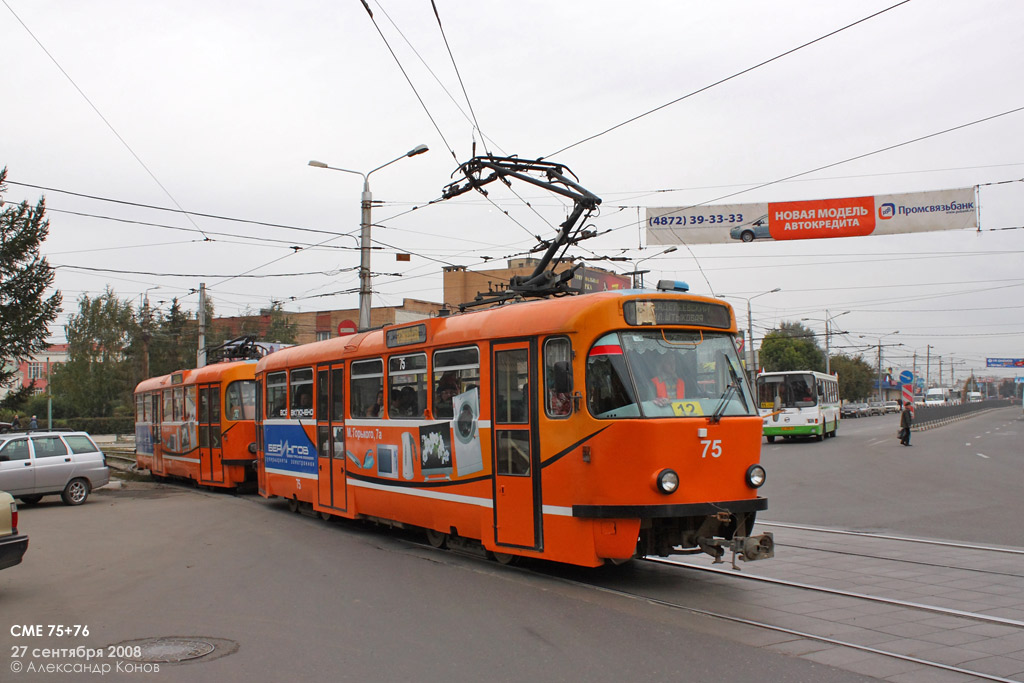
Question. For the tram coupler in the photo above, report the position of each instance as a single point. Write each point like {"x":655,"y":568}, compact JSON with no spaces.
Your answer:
{"x":745,"y":548}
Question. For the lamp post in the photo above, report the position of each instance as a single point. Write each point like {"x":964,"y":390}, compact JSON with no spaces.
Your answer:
{"x":364,"y":238}
{"x":638,"y":275}
{"x":751,"y":370}
{"x":828,"y":318}
{"x":881,"y":396}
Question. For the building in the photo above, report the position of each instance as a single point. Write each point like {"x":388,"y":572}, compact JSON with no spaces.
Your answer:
{"x":36,"y":368}
{"x":462,"y":285}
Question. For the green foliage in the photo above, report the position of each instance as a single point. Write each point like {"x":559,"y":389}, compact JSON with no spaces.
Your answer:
{"x":856,"y":377}
{"x":101,"y":372}
{"x":173,"y":342}
{"x":25,"y":313}
{"x":791,"y":347}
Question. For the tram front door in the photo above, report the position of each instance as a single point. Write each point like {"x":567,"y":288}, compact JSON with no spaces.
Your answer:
{"x":211,"y":454}
{"x":516,"y":456}
{"x":332,"y":486}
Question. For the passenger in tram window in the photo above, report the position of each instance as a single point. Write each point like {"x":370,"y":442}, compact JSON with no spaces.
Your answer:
{"x":408,"y":403}
{"x":668,"y":385}
{"x":559,"y":393}
{"x":377,"y":408}
{"x":447,"y":389}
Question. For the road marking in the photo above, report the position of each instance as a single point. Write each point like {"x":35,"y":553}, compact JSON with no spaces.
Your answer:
{"x":968,"y":443}
{"x":983,"y":456}
{"x":875,"y":443}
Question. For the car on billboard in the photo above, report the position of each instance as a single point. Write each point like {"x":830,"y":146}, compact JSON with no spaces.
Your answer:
{"x":755,"y":230}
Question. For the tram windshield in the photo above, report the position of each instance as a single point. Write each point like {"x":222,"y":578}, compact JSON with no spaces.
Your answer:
{"x":663,"y":373}
{"x":786,"y":391}
{"x":240,"y":400}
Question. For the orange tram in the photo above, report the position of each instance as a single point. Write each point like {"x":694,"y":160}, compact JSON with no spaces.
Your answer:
{"x":199,"y":425}
{"x":543,"y":429}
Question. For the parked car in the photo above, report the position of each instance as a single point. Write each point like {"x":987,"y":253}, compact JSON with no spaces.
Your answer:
{"x":876,"y":408}
{"x":854,"y":410}
{"x":37,"y":464}
{"x":5,"y":427}
{"x":892,"y":407}
{"x":12,"y":544}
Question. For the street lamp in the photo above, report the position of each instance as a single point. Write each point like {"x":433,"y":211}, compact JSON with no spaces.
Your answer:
{"x":827,"y":319}
{"x":750,"y":329}
{"x":638,"y":275}
{"x":364,"y":238}
{"x":881,"y":396}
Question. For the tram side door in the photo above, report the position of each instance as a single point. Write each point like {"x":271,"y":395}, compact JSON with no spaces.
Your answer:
{"x":515,"y":450}
{"x":211,"y":452}
{"x":332,"y":486}
{"x":158,"y":434}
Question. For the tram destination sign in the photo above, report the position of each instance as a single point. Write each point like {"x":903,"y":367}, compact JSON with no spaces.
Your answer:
{"x":673,"y":312}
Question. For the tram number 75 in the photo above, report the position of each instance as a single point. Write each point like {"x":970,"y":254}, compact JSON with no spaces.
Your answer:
{"x":712,"y":446}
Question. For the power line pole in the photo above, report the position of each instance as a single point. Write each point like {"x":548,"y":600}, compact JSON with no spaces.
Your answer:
{"x":201,"y":352}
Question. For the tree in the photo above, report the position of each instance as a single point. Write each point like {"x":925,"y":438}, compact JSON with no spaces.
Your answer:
{"x":100,"y":374}
{"x":174,"y":342}
{"x":280,"y":330}
{"x":25,"y":314}
{"x":791,"y":347}
{"x":856,"y":377}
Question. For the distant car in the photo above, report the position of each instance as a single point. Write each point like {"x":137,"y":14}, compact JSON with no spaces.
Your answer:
{"x":876,"y":408}
{"x":36,"y":464}
{"x":754,"y":230}
{"x":854,"y":410}
{"x":892,"y":407}
{"x":5,"y":427}
{"x":12,"y":544}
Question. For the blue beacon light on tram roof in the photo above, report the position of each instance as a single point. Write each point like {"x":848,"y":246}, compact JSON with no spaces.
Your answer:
{"x":673,"y":286}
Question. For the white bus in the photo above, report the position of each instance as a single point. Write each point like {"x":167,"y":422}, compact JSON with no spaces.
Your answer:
{"x":798,"y":403}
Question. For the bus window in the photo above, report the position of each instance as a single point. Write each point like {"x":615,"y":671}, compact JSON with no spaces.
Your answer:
{"x":407,"y":385}
{"x":240,"y":400}
{"x":557,"y":377}
{"x":302,"y":393}
{"x":277,"y":395}
{"x":455,"y":371}
{"x":367,"y":388}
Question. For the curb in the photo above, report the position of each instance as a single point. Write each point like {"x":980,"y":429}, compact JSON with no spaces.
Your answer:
{"x":935,"y":424}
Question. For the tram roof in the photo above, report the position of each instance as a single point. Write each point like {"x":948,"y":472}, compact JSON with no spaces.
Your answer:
{"x":528,"y":318}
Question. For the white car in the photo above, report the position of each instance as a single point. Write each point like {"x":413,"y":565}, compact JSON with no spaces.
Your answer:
{"x":36,"y":464}
{"x":12,"y":544}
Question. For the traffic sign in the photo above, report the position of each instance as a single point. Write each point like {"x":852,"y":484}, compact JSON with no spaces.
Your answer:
{"x":346,"y":327}
{"x":906,"y":377}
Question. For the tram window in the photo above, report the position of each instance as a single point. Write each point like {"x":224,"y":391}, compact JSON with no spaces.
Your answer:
{"x":302,"y":393}
{"x":138,"y":409}
{"x":240,"y":400}
{"x":204,"y":404}
{"x":456,"y":371}
{"x":557,"y":377}
{"x":367,"y":388}
{"x":511,"y":387}
{"x":168,"y":405}
{"x":407,"y":386}
{"x":179,"y":404}
{"x":322,"y":388}
{"x":337,"y":395}
{"x":513,"y":452}
{"x":215,"y":404}
{"x":277,"y":395}
{"x":609,"y":388}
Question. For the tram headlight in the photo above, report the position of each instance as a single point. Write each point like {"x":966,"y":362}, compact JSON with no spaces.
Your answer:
{"x":756,"y":476}
{"x":668,"y":481}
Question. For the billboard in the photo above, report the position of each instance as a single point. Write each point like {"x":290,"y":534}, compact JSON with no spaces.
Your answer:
{"x":884,"y":214}
{"x":1004,"y":362}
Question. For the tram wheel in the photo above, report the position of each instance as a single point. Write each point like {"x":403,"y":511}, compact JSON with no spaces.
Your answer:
{"x":293,"y":505}
{"x":437,"y":539}
{"x":505,"y":558}
{"x":326,"y":516}
{"x":771,"y":439}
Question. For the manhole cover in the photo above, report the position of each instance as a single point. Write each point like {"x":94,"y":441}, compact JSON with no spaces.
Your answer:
{"x":165,"y":650}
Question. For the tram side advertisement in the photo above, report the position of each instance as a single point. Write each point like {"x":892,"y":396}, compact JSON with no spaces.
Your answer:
{"x":288,"y":449}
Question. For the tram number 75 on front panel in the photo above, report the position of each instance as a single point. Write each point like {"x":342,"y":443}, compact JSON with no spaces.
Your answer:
{"x":712,"y":447}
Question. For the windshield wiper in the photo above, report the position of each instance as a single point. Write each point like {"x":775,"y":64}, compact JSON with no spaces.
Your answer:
{"x":734,"y":387}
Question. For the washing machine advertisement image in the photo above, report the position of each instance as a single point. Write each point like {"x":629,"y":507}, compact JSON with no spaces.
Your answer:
{"x":465,"y":426}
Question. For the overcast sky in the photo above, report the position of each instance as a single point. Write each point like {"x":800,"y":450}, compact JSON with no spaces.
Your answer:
{"x":216,"y":108}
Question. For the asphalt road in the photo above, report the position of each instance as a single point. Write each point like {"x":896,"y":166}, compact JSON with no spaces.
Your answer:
{"x":287,"y":597}
{"x":959,"y":482}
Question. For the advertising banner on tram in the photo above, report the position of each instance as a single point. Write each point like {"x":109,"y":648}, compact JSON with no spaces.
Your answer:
{"x":814,"y":218}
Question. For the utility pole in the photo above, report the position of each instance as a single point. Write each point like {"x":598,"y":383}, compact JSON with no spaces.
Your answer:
{"x":928,"y":368}
{"x":201,"y":352}
{"x":49,"y":398}
{"x":940,"y":371}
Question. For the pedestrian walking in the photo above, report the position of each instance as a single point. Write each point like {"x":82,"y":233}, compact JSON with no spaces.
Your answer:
{"x":32,"y":424}
{"x":906,"y":419}
{"x":15,"y":423}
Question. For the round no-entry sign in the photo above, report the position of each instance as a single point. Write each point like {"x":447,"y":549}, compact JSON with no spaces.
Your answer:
{"x":346,"y":327}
